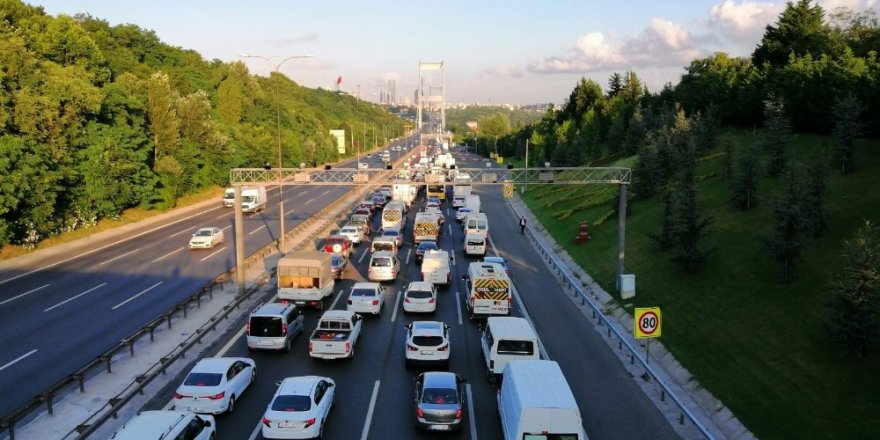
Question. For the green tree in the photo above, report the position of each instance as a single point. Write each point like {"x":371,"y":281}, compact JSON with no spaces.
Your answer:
{"x":777,"y":132}
{"x":635,"y":132}
{"x":784,"y":244}
{"x":665,"y":238}
{"x":744,"y":182}
{"x":615,"y":84}
{"x":814,"y":216}
{"x":732,"y":84}
{"x":800,"y":31}
{"x":162,"y":117}
{"x":847,"y":128}
{"x":585,"y":96}
{"x":690,"y":226}
{"x":854,"y":307}
{"x":632,"y":89}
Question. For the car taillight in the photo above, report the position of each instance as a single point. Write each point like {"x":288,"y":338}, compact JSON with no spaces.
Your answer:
{"x":431,"y":301}
{"x":347,"y":346}
{"x":423,"y":276}
{"x":406,"y":299}
{"x":443,"y":348}
{"x":217,"y":396}
{"x":509,"y":300}
{"x":375,"y":302}
{"x":179,"y":396}
{"x":458,"y":414}
{"x":267,"y":422}
{"x":283,"y":328}
{"x":412,"y":347}
{"x":419,"y":413}
{"x":247,"y":328}
{"x":310,"y":422}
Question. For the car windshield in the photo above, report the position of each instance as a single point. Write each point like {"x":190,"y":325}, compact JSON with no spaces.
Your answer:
{"x":439,"y":396}
{"x":419,"y":294}
{"x":204,"y":233}
{"x":203,"y":379}
{"x":292,"y":403}
{"x":363,"y":292}
{"x":390,"y":233}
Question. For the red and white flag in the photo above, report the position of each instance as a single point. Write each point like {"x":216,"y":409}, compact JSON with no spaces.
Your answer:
{"x":339,"y":81}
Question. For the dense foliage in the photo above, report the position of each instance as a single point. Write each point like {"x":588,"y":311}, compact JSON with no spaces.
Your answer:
{"x":95,"y":119}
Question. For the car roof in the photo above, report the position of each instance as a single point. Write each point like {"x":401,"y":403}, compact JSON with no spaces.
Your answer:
{"x":427,"y":328}
{"x":497,"y":260}
{"x":365,"y":285}
{"x":147,"y":422}
{"x":385,"y":254}
{"x":215,"y":364}
{"x":272,"y":308}
{"x":300,"y":385}
{"x":438,"y":379}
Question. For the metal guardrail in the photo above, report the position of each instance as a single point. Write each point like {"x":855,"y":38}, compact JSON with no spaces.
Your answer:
{"x":562,"y":270}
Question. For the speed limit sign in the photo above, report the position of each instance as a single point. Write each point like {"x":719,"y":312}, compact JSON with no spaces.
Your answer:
{"x":647,"y":322}
{"x":508,"y":189}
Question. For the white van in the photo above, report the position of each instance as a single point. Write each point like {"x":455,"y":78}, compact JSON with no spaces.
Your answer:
{"x":507,"y":339}
{"x":536,"y":403}
{"x":383,"y":244}
{"x":475,"y":244}
{"x":394,"y":216}
{"x":151,"y":425}
{"x":435,"y":267}
{"x":476,"y":223}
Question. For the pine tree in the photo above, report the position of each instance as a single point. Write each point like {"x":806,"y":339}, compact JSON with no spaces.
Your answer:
{"x":665,"y":239}
{"x":615,"y":84}
{"x":690,"y":226}
{"x":814,"y":216}
{"x":800,"y":30}
{"x":777,"y":131}
{"x":727,"y":161}
{"x":854,"y":307}
{"x":744,"y":182}
{"x":785,"y":244}
{"x":847,"y":128}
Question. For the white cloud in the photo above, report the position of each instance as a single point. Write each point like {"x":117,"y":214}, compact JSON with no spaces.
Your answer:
{"x":505,"y":71}
{"x":743,"y":22}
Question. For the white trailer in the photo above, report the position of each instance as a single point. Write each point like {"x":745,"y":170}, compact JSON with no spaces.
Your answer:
{"x":535,"y":401}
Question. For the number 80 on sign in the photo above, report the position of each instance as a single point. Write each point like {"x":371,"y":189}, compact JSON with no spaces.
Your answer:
{"x":647,"y":322}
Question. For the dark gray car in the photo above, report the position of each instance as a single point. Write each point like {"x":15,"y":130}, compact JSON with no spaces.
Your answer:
{"x":439,"y":401}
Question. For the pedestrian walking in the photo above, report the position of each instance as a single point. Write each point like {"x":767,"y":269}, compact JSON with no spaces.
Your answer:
{"x":522,"y":225}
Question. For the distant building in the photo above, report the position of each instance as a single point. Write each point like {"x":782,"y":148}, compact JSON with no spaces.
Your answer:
{"x":392,"y":92}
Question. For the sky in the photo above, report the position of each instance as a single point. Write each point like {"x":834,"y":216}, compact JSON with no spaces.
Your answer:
{"x":493,"y":51}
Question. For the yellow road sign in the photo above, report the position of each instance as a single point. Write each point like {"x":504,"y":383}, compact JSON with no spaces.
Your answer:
{"x":647,"y":322}
{"x":508,"y":189}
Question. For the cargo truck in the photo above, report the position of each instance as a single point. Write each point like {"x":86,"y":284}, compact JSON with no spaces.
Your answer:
{"x":305,"y":277}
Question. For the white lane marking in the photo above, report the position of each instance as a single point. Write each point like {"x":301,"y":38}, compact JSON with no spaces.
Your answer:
{"x":168,"y":255}
{"x":471,"y":416}
{"x":23,"y":294}
{"x":338,"y":295}
{"x":408,"y":252}
{"x":178,"y":233}
{"x":289,"y":212}
{"x":309,"y":201}
{"x":366,"y":430}
{"x":137,"y":295}
{"x":75,"y":297}
{"x":255,"y":230}
{"x":363,"y":254}
{"x":224,"y":215}
{"x":118,"y":257}
{"x":458,"y":306}
{"x":10,"y":363}
{"x":130,"y":237}
{"x":396,"y":302}
{"x":325,"y":192}
{"x":214,"y":253}
{"x":255,"y":431}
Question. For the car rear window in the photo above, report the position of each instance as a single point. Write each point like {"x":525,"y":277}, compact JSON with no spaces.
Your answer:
{"x":427,"y":341}
{"x":440,"y":396}
{"x":419,"y":294}
{"x":516,"y":347}
{"x":266,"y":326}
{"x":475,"y":242}
{"x":203,"y":379}
{"x":381,"y":262}
{"x":292,"y":403}
{"x":363,"y":292}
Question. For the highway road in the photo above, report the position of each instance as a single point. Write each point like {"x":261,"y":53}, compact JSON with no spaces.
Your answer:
{"x":374,"y":396}
{"x":64,"y":311}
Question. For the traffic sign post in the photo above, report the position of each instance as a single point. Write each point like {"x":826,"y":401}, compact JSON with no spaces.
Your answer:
{"x":647,"y":324}
{"x":508,"y":189}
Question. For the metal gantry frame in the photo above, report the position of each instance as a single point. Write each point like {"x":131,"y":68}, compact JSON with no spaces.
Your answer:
{"x":479,"y":176}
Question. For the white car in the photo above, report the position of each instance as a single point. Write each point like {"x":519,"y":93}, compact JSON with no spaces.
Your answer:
{"x":427,"y":342}
{"x":353,"y":232}
{"x":213,"y":384}
{"x":420,"y":296}
{"x":393,"y":233}
{"x":384,"y":266}
{"x":206,"y":238}
{"x":299,"y":408}
{"x":366,"y":298}
{"x":461,"y":213}
{"x":363,"y":165}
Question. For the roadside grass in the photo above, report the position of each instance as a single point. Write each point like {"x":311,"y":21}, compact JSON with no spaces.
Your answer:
{"x":757,"y":345}
{"x":128,"y":216}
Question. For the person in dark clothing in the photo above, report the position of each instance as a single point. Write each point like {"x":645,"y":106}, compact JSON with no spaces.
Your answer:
{"x":522,"y":225}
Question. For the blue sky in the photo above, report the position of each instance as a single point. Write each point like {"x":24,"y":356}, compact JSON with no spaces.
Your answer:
{"x":511,"y":51}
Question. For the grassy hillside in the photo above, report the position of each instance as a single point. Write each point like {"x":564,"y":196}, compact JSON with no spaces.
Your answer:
{"x":757,"y":345}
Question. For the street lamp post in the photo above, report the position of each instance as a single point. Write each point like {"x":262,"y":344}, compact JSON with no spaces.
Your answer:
{"x":277,"y":66}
